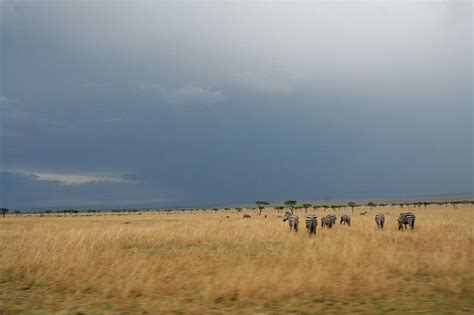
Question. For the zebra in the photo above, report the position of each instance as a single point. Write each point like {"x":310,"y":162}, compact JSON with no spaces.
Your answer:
{"x":328,"y":220}
{"x":406,"y":218}
{"x":311,"y":224}
{"x":293,"y":221}
{"x":380,"y":220}
{"x":345,"y":219}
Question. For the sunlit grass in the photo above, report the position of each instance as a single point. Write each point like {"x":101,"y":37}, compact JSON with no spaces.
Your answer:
{"x":204,"y":262}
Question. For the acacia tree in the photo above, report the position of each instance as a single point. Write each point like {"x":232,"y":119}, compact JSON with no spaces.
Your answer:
{"x":352,"y":204}
{"x":261,"y":205}
{"x":279,"y":208}
{"x":306,"y":206}
{"x":371,"y":205}
{"x":4,"y":211}
{"x":291,"y":205}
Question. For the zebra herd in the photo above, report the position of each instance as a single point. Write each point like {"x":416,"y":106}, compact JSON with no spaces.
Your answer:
{"x":329,"y":220}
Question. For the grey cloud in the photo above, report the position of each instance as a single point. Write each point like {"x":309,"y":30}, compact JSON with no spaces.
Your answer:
{"x":266,"y":82}
{"x":72,"y":178}
{"x":51,"y":193}
{"x":112,"y":120}
{"x":4,"y":100}
{"x":185,"y":95}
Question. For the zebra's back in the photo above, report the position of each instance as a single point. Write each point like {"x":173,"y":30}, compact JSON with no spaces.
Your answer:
{"x":346,"y":219}
{"x":293,"y":221}
{"x":311,"y":224}
{"x":406,"y":219}
{"x":380,"y":220}
{"x":328,"y":221}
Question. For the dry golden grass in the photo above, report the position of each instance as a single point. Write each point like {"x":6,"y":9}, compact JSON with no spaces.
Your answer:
{"x":203,"y":262}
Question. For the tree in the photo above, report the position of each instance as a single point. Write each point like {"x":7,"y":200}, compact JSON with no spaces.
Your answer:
{"x":352,"y":204}
{"x":17,"y":212}
{"x":291,"y":205}
{"x":261,"y":205}
{"x":306,"y":206}
{"x":371,"y":205}
{"x":4,"y":211}
{"x":279,"y":208}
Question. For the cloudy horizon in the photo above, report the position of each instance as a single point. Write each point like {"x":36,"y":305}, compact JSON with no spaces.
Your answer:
{"x":160,"y":104}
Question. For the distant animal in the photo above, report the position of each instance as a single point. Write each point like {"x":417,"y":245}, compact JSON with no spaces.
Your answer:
{"x":363,"y":213}
{"x":405,"y":219}
{"x":311,"y":224}
{"x":246,"y":216}
{"x":345,"y":219}
{"x":328,"y":220}
{"x":380,"y":220}
{"x":293,"y":221}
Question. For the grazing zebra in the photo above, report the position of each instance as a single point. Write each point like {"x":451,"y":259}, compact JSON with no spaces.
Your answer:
{"x":406,"y":219}
{"x":380,"y":220}
{"x":246,"y":216}
{"x":293,"y":221}
{"x":345,"y":219}
{"x":311,"y":224}
{"x":328,"y":220}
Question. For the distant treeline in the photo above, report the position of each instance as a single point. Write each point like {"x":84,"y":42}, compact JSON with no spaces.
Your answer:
{"x":289,"y":204}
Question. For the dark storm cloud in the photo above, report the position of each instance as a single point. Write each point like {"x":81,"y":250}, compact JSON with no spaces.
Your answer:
{"x":204,"y":102}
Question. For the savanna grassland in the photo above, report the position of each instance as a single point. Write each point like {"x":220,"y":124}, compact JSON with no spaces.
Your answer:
{"x":215,"y":262}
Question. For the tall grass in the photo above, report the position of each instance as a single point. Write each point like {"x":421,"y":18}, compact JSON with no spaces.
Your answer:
{"x":205,"y":262}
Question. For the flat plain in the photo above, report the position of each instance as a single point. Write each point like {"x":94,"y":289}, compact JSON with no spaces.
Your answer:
{"x":217,"y":262}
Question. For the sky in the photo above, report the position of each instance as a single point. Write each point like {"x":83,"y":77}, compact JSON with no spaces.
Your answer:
{"x":190,"y":103}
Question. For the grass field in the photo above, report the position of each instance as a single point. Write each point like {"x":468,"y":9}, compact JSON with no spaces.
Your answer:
{"x":214,"y":262}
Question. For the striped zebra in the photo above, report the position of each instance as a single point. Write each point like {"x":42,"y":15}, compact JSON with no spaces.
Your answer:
{"x":293,"y":221}
{"x":380,"y":220}
{"x":345,"y":219}
{"x":328,"y":220}
{"x":406,"y":219}
{"x":311,"y":224}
